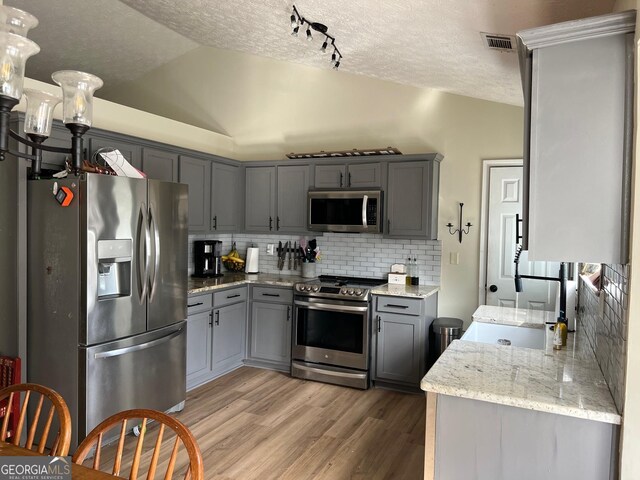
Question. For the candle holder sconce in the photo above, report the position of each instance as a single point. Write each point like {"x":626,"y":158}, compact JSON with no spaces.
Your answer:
{"x":460,"y":231}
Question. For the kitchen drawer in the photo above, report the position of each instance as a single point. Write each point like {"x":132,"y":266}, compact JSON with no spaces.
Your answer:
{"x":227,"y":297}
{"x":198,"y":303}
{"x":401,"y":305}
{"x":272,"y":294}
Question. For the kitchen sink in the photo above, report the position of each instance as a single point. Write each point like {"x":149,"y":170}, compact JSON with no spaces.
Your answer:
{"x":506,"y":335}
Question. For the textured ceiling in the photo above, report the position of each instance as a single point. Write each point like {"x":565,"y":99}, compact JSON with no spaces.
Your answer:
{"x":425,"y":43}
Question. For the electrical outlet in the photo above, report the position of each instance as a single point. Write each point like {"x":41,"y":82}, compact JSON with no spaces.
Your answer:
{"x":454,"y":258}
{"x":271,"y":249}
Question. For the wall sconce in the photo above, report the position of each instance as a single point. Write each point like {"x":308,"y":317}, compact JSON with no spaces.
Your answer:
{"x":459,"y":230}
{"x":298,"y":21}
{"x":77,"y":95}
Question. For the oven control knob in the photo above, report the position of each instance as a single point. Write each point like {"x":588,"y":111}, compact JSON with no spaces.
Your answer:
{"x":343,"y":291}
{"x":359,"y":292}
{"x":315,"y":288}
{"x":351,"y":292}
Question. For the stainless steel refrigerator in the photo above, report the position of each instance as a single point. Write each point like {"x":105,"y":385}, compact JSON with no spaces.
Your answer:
{"x":107,"y":294}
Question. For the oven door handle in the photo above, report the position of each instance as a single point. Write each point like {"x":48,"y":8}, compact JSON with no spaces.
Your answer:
{"x":329,"y":306}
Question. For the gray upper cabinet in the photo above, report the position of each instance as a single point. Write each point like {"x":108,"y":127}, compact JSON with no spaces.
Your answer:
{"x":160,"y":165}
{"x":225,"y":198}
{"x":293,"y":185}
{"x":412,"y":199}
{"x":260,"y":206}
{"x":132,"y":152}
{"x":355,"y":175}
{"x":197,"y":174}
{"x":578,"y":84}
{"x":364,"y":175}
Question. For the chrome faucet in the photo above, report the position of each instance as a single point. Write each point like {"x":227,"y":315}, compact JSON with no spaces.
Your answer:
{"x":562,"y":278}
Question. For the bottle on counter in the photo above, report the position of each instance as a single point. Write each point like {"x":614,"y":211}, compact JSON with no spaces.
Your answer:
{"x":408,"y":270}
{"x":415,"y":275}
{"x":559,"y":334}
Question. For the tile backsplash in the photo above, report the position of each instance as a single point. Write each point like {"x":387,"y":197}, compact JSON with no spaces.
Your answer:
{"x":606,"y":325}
{"x":358,"y":255}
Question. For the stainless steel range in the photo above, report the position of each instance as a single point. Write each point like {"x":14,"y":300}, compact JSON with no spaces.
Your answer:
{"x":332,"y":330}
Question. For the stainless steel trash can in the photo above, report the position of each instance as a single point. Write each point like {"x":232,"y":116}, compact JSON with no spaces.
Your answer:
{"x":445,"y":331}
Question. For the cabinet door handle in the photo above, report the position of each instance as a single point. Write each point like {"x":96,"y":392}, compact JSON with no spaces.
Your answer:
{"x":189,"y":305}
{"x":211,"y":319}
{"x":233,"y":296}
{"x":518,"y":222}
{"x":379,"y":324}
{"x":278,"y":222}
{"x":288,"y":313}
{"x":270,"y":223}
{"x":392,"y":305}
{"x":218,"y":317}
{"x":349,"y":180}
{"x":270,"y":294}
{"x":341,"y":175}
{"x":215,"y":222}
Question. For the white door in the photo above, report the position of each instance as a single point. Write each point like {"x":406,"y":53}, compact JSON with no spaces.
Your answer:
{"x":505,"y":201}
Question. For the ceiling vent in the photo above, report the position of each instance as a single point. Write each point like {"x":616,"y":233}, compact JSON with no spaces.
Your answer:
{"x":502,"y":43}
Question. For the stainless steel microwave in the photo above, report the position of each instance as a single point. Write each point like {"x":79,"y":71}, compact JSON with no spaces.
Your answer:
{"x":358,"y":211}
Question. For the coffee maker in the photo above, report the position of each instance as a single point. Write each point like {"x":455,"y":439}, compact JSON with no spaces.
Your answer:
{"x":206,"y":258}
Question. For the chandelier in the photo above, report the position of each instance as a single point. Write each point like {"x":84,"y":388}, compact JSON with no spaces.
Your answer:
{"x":77,"y":95}
{"x":298,"y":21}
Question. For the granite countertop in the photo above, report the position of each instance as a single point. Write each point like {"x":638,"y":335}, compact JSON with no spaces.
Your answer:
{"x":204,"y":285}
{"x":419,"y":291}
{"x":518,"y":317}
{"x":565,"y":382}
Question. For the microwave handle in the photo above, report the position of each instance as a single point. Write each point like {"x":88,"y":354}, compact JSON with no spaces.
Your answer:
{"x":365,"y":199}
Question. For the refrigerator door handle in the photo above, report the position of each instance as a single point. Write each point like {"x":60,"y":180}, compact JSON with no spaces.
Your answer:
{"x":156,"y":252}
{"x":143,"y":266}
{"x":135,"y":348}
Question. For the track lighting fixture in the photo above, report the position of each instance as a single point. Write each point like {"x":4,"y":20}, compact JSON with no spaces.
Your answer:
{"x":298,"y":20}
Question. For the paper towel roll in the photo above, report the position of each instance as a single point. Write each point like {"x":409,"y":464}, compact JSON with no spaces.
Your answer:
{"x":251,"y":265}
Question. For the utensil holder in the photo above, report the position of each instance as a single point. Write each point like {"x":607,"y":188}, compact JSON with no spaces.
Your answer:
{"x":309,"y":270}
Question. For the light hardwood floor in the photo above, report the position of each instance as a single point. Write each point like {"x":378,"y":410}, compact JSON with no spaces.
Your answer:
{"x":260,"y":424}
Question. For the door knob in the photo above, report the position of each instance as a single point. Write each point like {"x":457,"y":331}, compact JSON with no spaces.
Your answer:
{"x":493,"y":288}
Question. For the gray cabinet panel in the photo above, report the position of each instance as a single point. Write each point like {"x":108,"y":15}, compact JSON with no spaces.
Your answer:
{"x":160,"y":165}
{"x":225,"y":198}
{"x":399,"y":343}
{"x":408,"y":196}
{"x":293,"y":185}
{"x":364,"y":175}
{"x":330,"y":176}
{"x":198,"y":345}
{"x":197,"y":174}
{"x":130,"y":151}
{"x":60,"y":137}
{"x":260,"y":204}
{"x":229,"y":337}
{"x":271,"y":332}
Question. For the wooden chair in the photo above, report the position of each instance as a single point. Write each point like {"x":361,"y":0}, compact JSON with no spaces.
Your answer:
{"x":62,"y":440}
{"x":10,"y":368}
{"x":194,"y":471}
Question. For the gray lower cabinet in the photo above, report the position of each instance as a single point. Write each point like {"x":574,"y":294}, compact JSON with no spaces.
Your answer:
{"x":229,"y":325}
{"x":270,"y":327}
{"x":401,"y":338}
{"x":160,"y":165}
{"x":412,"y":199}
{"x":260,"y":195}
{"x":293,"y":185}
{"x":354,"y":175}
{"x":216,"y":334}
